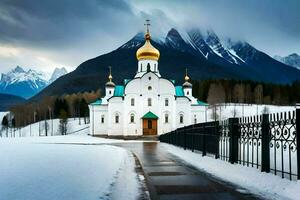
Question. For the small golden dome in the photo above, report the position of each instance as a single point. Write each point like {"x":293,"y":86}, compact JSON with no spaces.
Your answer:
{"x":186,"y":78}
{"x":147,"y":51}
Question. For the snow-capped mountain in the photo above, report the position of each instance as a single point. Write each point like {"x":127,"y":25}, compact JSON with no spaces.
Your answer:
{"x":292,"y":60}
{"x":205,"y":54}
{"x":26,"y":83}
{"x":58,"y":72}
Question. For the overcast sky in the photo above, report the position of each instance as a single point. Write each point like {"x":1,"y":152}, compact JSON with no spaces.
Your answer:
{"x":64,"y":33}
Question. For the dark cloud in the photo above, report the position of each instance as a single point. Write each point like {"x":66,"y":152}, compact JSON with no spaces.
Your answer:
{"x":67,"y":32}
{"x":61,"y":22}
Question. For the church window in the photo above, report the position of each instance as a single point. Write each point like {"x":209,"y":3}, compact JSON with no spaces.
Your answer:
{"x":149,"y":124}
{"x":141,"y":67}
{"x":195,"y":119}
{"x":181,"y":118}
{"x":132,"y":118}
{"x":166,"y":118}
{"x":132,"y":102}
{"x":148,"y":67}
{"x":149,"y":78}
{"x":117,"y":118}
{"x":149,"y":102}
{"x":149,"y":88}
{"x":188,"y":93}
{"x":154,"y":67}
{"x":102,"y":119}
{"x":109,"y":91}
{"x":166,"y":102}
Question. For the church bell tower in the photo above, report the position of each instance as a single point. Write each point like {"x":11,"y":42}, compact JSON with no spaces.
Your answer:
{"x":147,"y":55}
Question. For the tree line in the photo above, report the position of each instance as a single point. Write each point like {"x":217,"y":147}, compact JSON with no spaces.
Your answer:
{"x":62,"y":107}
{"x":249,"y":92}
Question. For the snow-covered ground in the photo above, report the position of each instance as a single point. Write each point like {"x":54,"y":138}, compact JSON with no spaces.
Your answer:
{"x":66,"y":167}
{"x":38,"y":128}
{"x":225,"y":111}
{"x":263,"y":184}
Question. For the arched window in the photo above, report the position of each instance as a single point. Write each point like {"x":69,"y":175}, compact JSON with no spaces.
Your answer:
{"x":149,"y":102}
{"x":117,"y":118}
{"x":148,"y":67}
{"x":149,"y":88}
{"x":166,"y":118}
{"x":195,"y":119}
{"x":141,"y":67}
{"x":154,"y":67}
{"x":102,"y":119}
{"x":188,"y":93}
{"x":109,"y":91}
{"x":166,"y":102}
{"x":132,"y":118}
{"x":132,"y":102}
{"x":181,"y":118}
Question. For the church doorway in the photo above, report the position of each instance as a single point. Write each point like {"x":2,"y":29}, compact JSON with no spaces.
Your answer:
{"x":149,"y":124}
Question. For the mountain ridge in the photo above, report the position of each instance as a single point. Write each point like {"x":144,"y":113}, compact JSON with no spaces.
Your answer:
{"x":291,"y":60}
{"x":26,"y":83}
{"x":205,"y":55}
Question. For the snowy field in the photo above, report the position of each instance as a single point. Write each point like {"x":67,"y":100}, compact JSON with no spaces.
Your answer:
{"x":225,"y":111}
{"x":66,"y":167}
{"x":264,"y":184}
{"x":38,"y":128}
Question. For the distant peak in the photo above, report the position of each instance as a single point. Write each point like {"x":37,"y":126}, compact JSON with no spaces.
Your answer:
{"x":57,"y":73}
{"x":173,"y":32}
{"x":295,"y":55}
{"x":18,"y":69}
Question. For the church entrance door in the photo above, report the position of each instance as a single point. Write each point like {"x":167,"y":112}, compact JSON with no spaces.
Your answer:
{"x":149,"y":124}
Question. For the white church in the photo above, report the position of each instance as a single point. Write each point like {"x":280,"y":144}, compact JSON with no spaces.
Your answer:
{"x":148,"y":104}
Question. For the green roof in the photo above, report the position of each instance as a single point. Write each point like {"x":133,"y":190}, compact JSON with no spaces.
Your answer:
{"x":179,"y":91}
{"x":119,"y":91}
{"x":149,"y":115}
{"x":202,"y":103}
{"x":97,"y":102}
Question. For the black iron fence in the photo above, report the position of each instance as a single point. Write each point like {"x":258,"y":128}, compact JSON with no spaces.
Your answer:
{"x":269,"y":142}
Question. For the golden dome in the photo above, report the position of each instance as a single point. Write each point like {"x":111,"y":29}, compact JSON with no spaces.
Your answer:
{"x":147,"y":51}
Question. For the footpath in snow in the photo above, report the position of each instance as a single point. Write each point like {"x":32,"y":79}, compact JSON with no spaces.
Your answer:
{"x":266,"y":185}
{"x":65,"y":167}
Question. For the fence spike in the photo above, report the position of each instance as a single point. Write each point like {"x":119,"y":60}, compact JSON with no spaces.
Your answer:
{"x":285,"y":116}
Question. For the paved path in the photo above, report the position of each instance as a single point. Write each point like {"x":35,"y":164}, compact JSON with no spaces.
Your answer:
{"x":170,"y":178}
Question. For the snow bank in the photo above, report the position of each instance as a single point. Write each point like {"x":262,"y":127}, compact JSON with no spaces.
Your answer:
{"x":65,"y":171}
{"x":263,"y":184}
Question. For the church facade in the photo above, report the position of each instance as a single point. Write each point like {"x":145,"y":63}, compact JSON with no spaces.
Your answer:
{"x":148,"y":104}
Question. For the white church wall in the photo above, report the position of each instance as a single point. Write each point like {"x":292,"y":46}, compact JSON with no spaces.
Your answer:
{"x":115,"y":108}
{"x":183,"y":107}
{"x":198,"y":114}
{"x":96,"y":113}
{"x":142,"y":67}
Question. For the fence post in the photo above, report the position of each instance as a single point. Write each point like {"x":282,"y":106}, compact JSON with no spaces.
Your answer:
{"x":184,"y":133}
{"x":298,"y":140}
{"x":204,"y":138}
{"x":265,"y":144}
{"x":233,"y":139}
{"x":217,"y":133}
